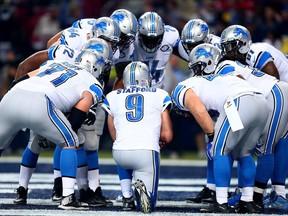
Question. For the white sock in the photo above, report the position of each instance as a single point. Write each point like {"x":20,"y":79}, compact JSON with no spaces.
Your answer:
{"x":247,"y":194}
{"x":81,"y":178}
{"x":222,"y":195}
{"x":68,"y":185}
{"x":126,"y":187}
{"x":25,"y":176}
{"x":93,"y":179}
{"x":280,"y":190}
{"x":211,"y":186}
{"x":57,"y":174}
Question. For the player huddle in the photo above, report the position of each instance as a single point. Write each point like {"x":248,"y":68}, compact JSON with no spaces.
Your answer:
{"x":59,"y":94}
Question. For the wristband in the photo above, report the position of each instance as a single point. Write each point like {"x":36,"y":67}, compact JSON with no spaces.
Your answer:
{"x":210,"y":136}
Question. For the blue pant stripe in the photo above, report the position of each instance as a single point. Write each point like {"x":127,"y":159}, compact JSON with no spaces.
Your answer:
{"x":278,"y":101}
{"x":62,"y":127}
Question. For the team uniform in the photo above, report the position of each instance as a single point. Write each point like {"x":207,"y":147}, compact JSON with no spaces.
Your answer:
{"x":87,"y":24}
{"x":158,"y":60}
{"x":49,"y":95}
{"x":234,"y":99}
{"x":262,"y":53}
{"x":276,"y":93}
{"x":74,"y":38}
{"x":258,"y":56}
{"x":139,"y":109}
{"x":214,"y":40}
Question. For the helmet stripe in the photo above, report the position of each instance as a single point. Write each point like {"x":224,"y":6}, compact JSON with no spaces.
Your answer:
{"x":190,"y":29}
{"x":152,"y":22}
{"x":132,"y":73}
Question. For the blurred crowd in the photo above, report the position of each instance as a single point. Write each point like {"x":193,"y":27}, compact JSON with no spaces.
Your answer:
{"x":27,"y":25}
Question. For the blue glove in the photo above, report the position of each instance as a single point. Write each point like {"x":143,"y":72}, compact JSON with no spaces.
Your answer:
{"x":208,"y":150}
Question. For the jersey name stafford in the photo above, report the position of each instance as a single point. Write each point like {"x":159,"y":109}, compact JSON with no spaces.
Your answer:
{"x":136,"y":89}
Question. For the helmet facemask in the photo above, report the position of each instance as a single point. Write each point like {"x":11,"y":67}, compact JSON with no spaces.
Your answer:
{"x":197,"y":68}
{"x":150,"y":43}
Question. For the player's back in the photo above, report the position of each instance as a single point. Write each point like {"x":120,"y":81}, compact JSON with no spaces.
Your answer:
{"x":256,"y":58}
{"x":62,"y":82}
{"x":215,"y":90}
{"x":137,"y":116}
{"x":74,"y":38}
{"x":262,"y":81}
{"x":86,"y":24}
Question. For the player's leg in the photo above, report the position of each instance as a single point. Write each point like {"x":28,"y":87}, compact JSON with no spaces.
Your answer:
{"x":27,"y":167}
{"x":63,"y":136}
{"x":92,"y":133}
{"x":277,"y":198}
{"x":146,"y":174}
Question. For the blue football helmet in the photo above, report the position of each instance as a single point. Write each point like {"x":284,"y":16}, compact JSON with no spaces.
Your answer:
{"x":151,"y":30}
{"x":203,"y":59}
{"x":136,"y":74}
{"x":236,"y":39}
{"x":195,"y":32}
{"x":128,"y":26}
{"x":91,"y":61}
{"x":107,"y":29}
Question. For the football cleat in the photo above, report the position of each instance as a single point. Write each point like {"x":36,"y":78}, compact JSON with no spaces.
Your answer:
{"x":248,"y":207}
{"x":21,"y":197}
{"x":128,"y":204}
{"x":119,"y":198}
{"x":278,"y":203}
{"x":71,"y":203}
{"x":217,"y":208}
{"x":142,"y":197}
{"x":204,"y":196}
{"x":57,"y":190}
{"x":94,"y":199}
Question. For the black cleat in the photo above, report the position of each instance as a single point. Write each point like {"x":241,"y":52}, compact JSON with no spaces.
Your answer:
{"x":248,"y":207}
{"x":57,"y":190}
{"x":142,"y":197}
{"x":94,"y":199}
{"x":204,"y":196}
{"x":128,"y":204}
{"x":21,"y":197}
{"x":218,"y":208}
{"x":71,"y":203}
{"x":99,"y":196}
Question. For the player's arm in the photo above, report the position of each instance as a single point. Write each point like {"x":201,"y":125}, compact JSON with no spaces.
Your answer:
{"x":111,"y":127}
{"x":31,"y":63}
{"x":54,"y":39}
{"x":79,"y":112}
{"x":271,"y":69}
{"x":119,"y":68}
{"x":198,"y":110}
{"x":166,"y":133}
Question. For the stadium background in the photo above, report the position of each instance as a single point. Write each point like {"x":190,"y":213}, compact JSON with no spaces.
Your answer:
{"x":27,"y":25}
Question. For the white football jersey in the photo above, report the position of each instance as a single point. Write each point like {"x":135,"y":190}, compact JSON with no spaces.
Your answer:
{"x":74,"y":38}
{"x":86,"y":24}
{"x":262,"y":81}
{"x":213,"y":90}
{"x":214,"y":40}
{"x":262,"y":53}
{"x":125,"y":55}
{"x":137,"y":116}
{"x":62,"y":53}
{"x":158,"y":60}
{"x":63,"y":83}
